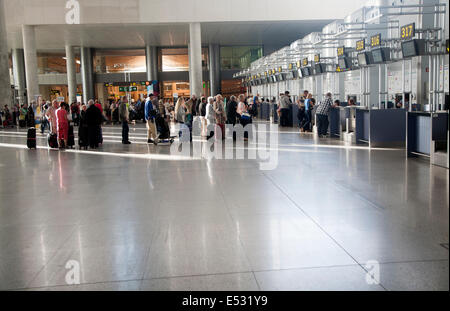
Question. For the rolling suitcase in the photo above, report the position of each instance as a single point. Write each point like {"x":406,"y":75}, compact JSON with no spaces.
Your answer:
{"x":52,"y":140}
{"x":31,"y":138}
{"x":71,"y":137}
{"x":83,"y":140}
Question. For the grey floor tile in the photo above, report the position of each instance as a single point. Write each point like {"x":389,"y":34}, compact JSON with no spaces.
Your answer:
{"x":344,"y":278}
{"x":415,"y":276}
{"x":218,"y":282}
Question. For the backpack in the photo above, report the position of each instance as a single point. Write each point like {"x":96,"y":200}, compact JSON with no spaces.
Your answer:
{"x":203,"y":109}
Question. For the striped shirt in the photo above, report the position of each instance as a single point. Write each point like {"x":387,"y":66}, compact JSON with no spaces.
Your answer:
{"x":324,"y":107}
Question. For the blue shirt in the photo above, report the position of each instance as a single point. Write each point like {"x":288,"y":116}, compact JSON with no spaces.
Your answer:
{"x":307,"y":104}
{"x":148,"y":108}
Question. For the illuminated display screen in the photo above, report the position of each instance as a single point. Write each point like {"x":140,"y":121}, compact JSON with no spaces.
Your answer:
{"x":298,"y":64}
{"x":305,"y":62}
{"x":306,"y":71}
{"x":317,"y":58}
{"x":340,"y":51}
{"x":409,"y":49}
{"x":363,"y":59}
{"x":375,"y":41}
{"x":408,"y":31}
{"x":320,"y":68}
{"x":360,"y":45}
{"x":378,"y":56}
{"x":343,"y":63}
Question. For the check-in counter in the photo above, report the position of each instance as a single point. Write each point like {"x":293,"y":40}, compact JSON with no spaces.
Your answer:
{"x":274,"y":113}
{"x":428,"y":136}
{"x":338,"y":121}
{"x":380,"y":127}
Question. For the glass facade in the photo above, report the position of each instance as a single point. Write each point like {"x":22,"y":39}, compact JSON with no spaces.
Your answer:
{"x":54,"y":63}
{"x":177,"y":59}
{"x":112,"y":61}
{"x":239,"y":57}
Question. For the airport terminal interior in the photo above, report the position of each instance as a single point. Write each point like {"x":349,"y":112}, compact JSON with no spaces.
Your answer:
{"x":339,"y":183}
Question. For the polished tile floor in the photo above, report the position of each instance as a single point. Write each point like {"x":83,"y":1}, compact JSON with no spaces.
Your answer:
{"x":139,"y":217}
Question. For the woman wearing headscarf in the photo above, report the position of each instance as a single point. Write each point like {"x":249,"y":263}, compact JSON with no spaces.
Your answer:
{"x":62,"y":125}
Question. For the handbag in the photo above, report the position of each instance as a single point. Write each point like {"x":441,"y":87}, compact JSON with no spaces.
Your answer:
{"x":245,"y":116}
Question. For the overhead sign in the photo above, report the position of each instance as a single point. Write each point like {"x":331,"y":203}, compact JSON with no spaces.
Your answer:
{"x":317,"y":58}
{"x":291,"y":66}
{"x":280,"y":69}
{"x":340,"y":51}
{"x":408,"y":31}
{"x":375,"y":41}
{"x":360,"y":45}
{"x":305,"y":62}
{"x":299,"y":64}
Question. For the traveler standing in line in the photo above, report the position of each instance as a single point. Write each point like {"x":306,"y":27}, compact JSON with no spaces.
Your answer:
{"x":83,"y":131}
{"x":124,"y":118}
{"x":322,"y":112}
{"x":94,"y":121}
{"x":308,"y":115}
{"x":162,"y":108}
{"x":62,"y":125}
{"x":202,"y":113}
{"x":44,"y":120}
{"x":231,"y":111}
{"x":301,"y":113}
{"x":150,"y":114}
{"x":195,"y":105}
{"x":179,"y":110}
{"x":285,"y":102}
{"x":31,"y":122}
{"x":15,"y":114}
{"x":75,"y":110}
{"x":220,"y":116}
{"x":51,"y":116}
{"x":210,"y":117}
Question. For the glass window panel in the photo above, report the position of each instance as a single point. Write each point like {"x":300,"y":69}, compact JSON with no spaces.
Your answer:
{"x":239,"y":57}
{"x":111,"y":61}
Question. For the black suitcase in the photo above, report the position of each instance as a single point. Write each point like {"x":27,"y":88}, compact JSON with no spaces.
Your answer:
{"x":52,"y":140}
{"x":71,"y":137}
{"x":31,"y":138}
{"x":83,"y":140}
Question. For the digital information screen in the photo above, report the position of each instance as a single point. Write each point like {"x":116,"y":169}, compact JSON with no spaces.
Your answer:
{"x":409,"y":49}
{"x":362,"y":59}
{"x":343,"y":63}
{"x":377,"y":56}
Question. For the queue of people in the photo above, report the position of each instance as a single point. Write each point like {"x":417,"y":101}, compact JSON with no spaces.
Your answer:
{"x":212,"y":113}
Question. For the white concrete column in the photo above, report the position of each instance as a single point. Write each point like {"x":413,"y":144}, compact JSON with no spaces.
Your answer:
{"x":71,"y":74}
{"x":151,"y":57}
{"x":5,"y":83}
{"x":86,"y":74}
{"x":214,"y":69}
{"x":18,"y":64}
{"x":30,"y":56}
{"x":195,"y":59}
